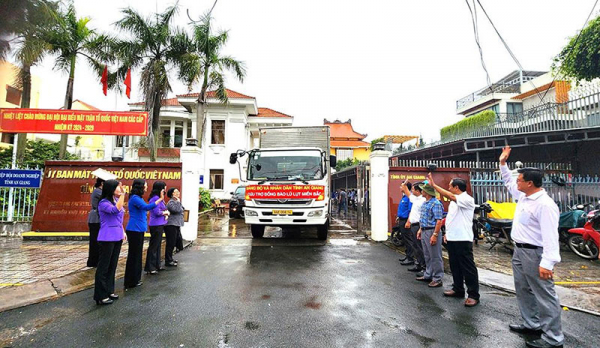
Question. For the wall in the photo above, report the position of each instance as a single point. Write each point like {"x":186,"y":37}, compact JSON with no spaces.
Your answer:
{"x":217,"y":156}
{"x":362,"y":154}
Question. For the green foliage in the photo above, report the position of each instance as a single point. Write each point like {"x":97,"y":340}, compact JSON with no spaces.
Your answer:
{"x":483,"y":119}
{"x":204,"y":198}
{"x":375,"y":141}
{"x":35,"y":154}
{"x":346,"y":163}
{"x":580,"y":58}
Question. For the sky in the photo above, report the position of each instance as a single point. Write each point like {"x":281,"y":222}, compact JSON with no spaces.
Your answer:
{"x":392,"y":67}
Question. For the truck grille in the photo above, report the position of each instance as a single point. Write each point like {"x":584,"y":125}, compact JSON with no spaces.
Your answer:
{"x":295,"y":202}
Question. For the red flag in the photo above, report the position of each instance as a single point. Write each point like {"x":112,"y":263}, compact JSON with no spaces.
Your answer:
{"x":104,"y":80}
{"x":128,"y":84}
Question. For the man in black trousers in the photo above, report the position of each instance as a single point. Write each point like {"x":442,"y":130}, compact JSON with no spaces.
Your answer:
{"x":459,"y":240}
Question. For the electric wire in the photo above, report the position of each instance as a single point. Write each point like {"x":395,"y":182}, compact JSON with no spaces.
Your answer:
{"x":476,"y":34}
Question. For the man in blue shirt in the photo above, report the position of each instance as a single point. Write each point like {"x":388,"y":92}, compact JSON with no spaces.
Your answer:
{"x":401,"y":216}
{"x":432,"y":213}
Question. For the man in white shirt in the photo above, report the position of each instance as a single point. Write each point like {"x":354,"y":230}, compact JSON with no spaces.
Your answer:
{"x":459,"y":240}
{"x":535,"y":232}
{"x":412,"y":223}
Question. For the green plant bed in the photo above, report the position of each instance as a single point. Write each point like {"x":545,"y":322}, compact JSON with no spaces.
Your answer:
{"x":464,"y":127}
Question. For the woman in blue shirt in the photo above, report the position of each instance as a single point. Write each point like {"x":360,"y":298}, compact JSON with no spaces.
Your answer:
{"x":136,"y":227}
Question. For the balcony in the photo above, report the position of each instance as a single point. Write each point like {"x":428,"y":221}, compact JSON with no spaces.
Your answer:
{"x":482,"y":93}
{"x":578,"y":114}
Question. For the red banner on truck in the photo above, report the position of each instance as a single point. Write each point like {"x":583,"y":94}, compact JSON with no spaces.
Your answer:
{"x":285,"y":192}
{"x":73,"y":122}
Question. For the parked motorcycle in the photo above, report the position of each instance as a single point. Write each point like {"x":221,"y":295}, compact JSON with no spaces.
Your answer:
{"x":584,"y":241}
{"x":495,"y":231}
{"x":575,"y":217}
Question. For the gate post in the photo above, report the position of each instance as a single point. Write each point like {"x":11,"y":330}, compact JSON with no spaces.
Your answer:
{"x":191,"y":168}
{"x":380,"y":167}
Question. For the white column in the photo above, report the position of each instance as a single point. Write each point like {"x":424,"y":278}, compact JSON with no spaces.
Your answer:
{"x":379,"y":194}
{"x":172,"y":134}
{"x":184,"y":135}
{"x":194,"y":130}
{"x":191,"y":168}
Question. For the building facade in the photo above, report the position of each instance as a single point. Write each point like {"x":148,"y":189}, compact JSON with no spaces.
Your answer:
{"x":346,"y":143}
{"x":228,"y":128}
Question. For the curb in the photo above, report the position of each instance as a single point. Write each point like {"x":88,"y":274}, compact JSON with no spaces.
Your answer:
{"x":50,"y":289}
{"x":498,"y":284}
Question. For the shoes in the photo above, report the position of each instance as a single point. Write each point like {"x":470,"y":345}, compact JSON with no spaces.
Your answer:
{"x":423,"y":279}
{"x":471,"y":302}
{"x":419,"y":274}
{"x":135,"y":286}
{"x":113,"y":296}
{"x":161,"y":269}
{"x":452,"y":293}
{"x":106,"y":301}
{"x":540,"y":343}
{"x":407,"y":262}
{"x":171,"y":264}
{"x":152,"y":272}
{"x":522,"y":329}
{"x":435,"y":284}
{"x":414,"y":268}
{"x":402,"y":258}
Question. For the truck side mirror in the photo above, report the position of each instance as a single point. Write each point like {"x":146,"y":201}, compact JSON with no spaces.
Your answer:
{"x":332,"y":161}
{"x":233,"y":158}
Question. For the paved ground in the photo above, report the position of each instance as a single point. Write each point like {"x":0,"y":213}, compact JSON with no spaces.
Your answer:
{"x":24,"y":262}
{"x":292,"y":291}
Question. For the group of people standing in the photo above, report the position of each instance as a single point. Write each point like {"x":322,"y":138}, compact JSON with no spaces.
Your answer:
{"x":420,"y":217}
{"x":534,"y":232}
{"x":107,"y":234}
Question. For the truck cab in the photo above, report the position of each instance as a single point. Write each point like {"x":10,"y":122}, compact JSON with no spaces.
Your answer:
{"x":289,"y":184}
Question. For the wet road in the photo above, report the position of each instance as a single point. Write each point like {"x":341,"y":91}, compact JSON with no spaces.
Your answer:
{"x":280,"y":292}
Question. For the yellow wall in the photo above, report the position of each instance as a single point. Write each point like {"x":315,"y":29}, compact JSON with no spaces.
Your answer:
{"x":362,"y":154}
{"x":8,"y":74}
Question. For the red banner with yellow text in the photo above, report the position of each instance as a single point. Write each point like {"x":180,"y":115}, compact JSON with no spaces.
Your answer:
{"x":73,"y":122}
{"x":285,"y":192}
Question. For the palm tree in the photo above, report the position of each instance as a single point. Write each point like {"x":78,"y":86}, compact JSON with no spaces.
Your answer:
{"x":209,"y":67}
{"x":69,"y":39}
{"x":31,"y":48}
{"x":155,"y":46}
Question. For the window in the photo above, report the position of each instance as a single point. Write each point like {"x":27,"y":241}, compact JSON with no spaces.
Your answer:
{"x":122,"y":139}
{"x":189,"y":129}
{"x":514,"y":108}
{"x":218,"y":132}
{"x":216,"y":179}
{"x":344,"y":154}
{"x":13,"y":95}
{"x":178,"y":133}
{"x":8,"y":138}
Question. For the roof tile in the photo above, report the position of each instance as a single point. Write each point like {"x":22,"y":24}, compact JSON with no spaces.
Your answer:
{"x":211,"y":94}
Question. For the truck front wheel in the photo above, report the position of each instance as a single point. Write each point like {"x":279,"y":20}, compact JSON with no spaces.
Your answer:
{"x":322,"y":231}
{"x":258,"y":231}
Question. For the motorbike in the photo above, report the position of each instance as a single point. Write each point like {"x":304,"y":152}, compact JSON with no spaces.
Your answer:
{"x":585,"y":241}
{"x":575,"y":217}
{"x":495,"y":231}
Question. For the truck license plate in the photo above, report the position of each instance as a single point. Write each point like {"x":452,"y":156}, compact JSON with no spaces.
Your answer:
{"x":282,"y":212}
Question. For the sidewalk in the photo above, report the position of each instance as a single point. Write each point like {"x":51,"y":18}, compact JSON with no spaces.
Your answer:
{"x":36,"y":271}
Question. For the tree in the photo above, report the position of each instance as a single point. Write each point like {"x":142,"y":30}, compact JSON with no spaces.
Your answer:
{"x":70,"y":38}
{"x":208,"y":66}
{"x":375,"y":141}
{"x":580,"y":58}
{"x":153,"y":47}
{"x":31,"y":48}
{"x":36,"y":153}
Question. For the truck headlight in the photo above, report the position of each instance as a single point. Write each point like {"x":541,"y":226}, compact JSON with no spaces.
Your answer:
{"x":315,"y":213}
{"x":250,"y":212}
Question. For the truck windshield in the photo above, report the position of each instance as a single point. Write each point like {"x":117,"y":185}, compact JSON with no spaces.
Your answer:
{"x":285,"y":165}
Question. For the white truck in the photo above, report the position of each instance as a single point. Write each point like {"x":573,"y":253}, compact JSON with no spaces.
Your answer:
{"x":288,"y":179}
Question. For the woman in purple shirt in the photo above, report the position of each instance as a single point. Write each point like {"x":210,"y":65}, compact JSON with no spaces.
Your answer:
{"x":158,"y":219}
{"x":110,"y":238}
